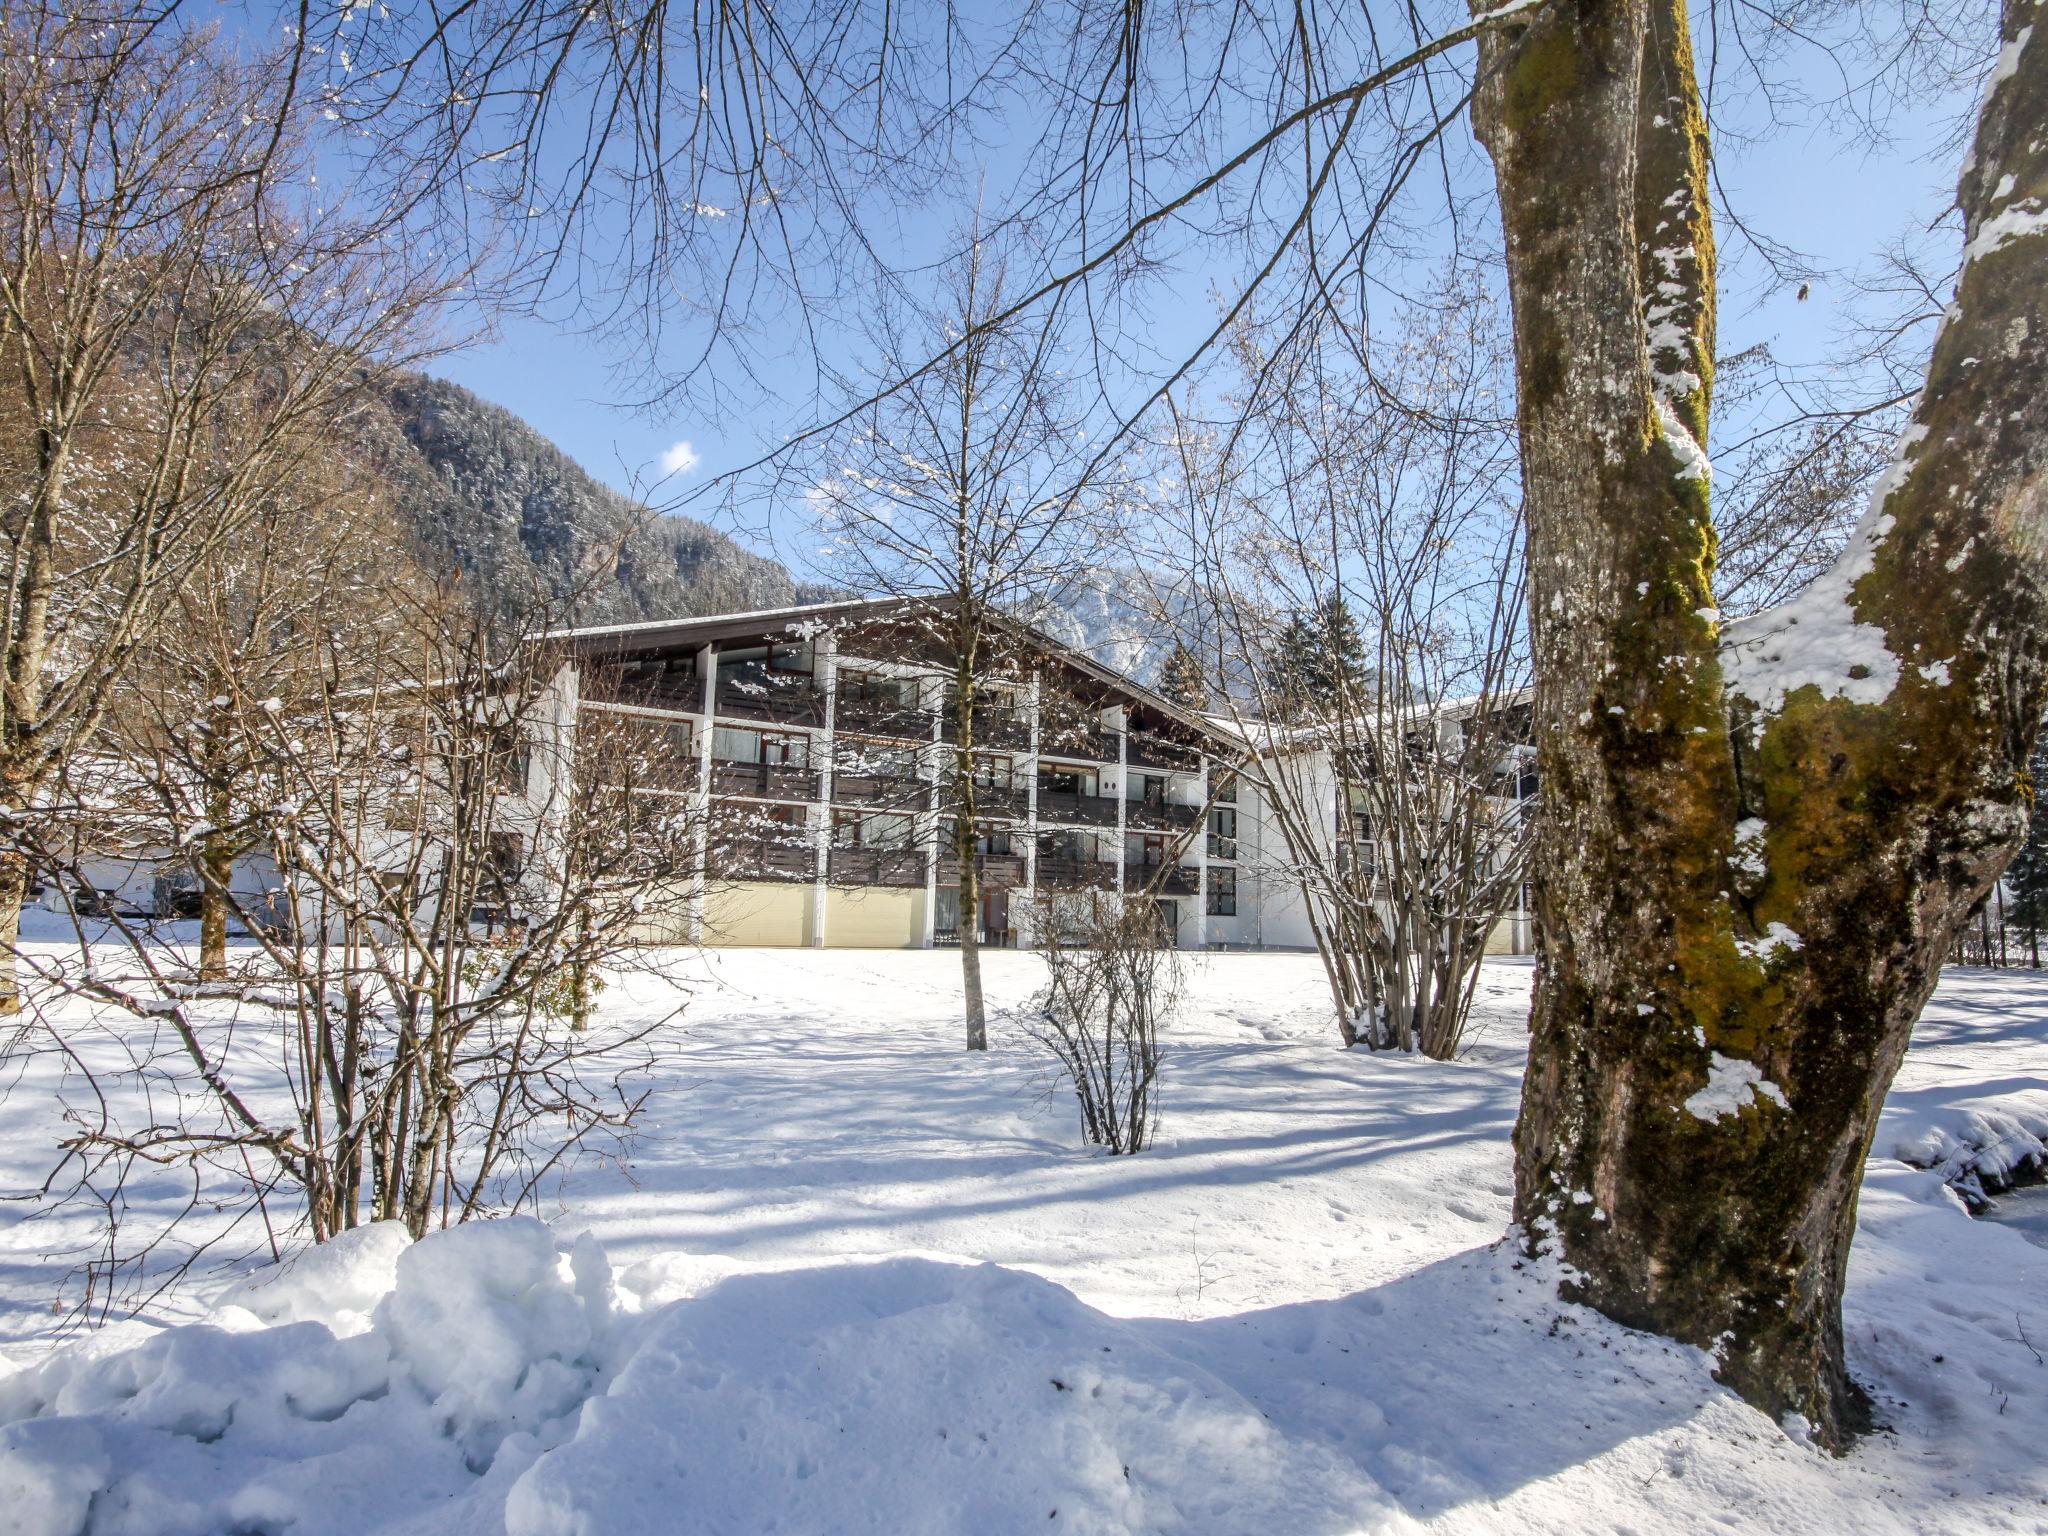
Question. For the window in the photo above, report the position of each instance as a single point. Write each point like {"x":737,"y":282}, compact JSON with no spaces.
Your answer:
{"x":638,"y":751}
{"x":874,"y":688}
{"x":993,"y":842}
{"x":1222,"y":833}
{"x":993,"y":772}
{"x":1223,"y":893}
{"x":1226,"y":788}
{"x":1067,"y":781}
{"x":1145,"y":788}
{"x":1065,"y":847}
{"x":1358,"y":811}
{"x":853,"y":829}
{"x":1144,"y":849}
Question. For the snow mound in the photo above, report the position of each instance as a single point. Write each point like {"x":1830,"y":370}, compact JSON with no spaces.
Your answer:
{"x":337,"y":1283}
{"x":496,"y":1386}
{"x":909,"y":1397}
{"x":478,"y":1355}
{"x":1978,"y":1149}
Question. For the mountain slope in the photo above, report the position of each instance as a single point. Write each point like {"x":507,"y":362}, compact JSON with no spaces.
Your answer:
{"x":519,"y":515}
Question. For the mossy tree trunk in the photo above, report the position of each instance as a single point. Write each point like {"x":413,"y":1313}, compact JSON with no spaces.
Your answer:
{"x":1759,"y":841}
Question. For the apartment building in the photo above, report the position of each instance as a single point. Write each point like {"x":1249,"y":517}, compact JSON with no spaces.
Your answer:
{"x":811,"y":749}
{"x":818,"y":740}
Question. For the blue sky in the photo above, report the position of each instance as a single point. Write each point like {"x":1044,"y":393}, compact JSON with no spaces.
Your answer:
{"x":1838,"y":200}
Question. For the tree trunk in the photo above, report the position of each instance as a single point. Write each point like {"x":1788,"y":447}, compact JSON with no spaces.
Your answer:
{"x":13,"y":893}
{"x":963,"y":850}
{"x":1756,"y":845}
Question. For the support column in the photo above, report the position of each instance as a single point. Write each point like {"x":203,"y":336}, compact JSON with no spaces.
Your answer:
{"x":1031,"y":697}
{"x":825,"y":672}
{"x":553,"y":764}
{"x":1123,"y":788}
{"x":935,"y":772}
{"x":1201,"y":841}
{"x":700,"y":795}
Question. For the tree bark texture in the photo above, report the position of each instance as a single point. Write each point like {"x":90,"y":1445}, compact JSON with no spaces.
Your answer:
{"x":1758,"y":840}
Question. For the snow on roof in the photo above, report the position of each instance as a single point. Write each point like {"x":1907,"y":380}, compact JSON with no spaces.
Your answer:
{"x":705,"y":620}
{"x":766,"y":617}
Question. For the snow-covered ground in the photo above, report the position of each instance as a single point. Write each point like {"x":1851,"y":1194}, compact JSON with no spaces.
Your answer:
{"x":854,"y":1280}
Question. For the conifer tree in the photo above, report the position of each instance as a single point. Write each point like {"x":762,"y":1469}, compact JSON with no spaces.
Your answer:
{"x":1182,"y":679}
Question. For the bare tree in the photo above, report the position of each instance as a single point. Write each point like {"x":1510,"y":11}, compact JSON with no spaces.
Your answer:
{"x":1361,"y":553}
{"x":307,"y":580}
{"x":966,"y":487}
{"x":451,"y":865}
{"x":185,"y":321}
{"x":1112,"y":980}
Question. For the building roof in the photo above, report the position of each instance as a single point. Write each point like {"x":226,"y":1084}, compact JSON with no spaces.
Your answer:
{"x":709,"y":629}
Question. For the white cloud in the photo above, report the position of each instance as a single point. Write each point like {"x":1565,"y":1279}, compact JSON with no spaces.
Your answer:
{"x":679,"y":458}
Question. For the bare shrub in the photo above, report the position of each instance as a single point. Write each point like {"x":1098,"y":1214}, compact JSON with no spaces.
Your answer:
{"x":1112,"y":978}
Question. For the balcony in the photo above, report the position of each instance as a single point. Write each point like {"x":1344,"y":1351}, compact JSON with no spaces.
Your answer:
{"x":991,"y":803}
{"x":763,"y":859}
{"x":886,"y":790}
{"x":876,"y":866}
{"x":993,"y":727}
{"x":650,"y":690}
{"x":1161,"y":815}
{"x":1172,"y":879}
{"x":1076,"y":874}
{"x":787,"y":698}
{"x":1144,"y":750}
{"x":764,"y":781}
{"x":1074,"y":808}
{"x":1085,"y":743}
{"x":995,"y":871}
{"x":882,"y":717}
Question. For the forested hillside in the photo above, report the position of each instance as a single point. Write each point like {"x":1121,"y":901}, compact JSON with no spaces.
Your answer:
{"x":518,"y":514}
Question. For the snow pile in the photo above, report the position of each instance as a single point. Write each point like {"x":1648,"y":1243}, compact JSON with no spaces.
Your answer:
{"x":1978,"y":1149}
{"x":1815,"y":638}
{"x":476,"y":1359}
{"x":495,"y":1388}
{"x":918,"y":1397}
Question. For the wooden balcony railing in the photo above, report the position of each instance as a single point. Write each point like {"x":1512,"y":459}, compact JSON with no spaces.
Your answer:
{"x":1090,"y":745}
{"x":992,"y":804}
{"x":1144,"y":750}
{"x":1076,"y":874}
{"x":790,"y":699}
{"x":882,"y":717}
{"x":876,"y":866}
{"x":1157,"y":815}
{"x":764,"y":781}
{"x":762,"y":859}
{"x":992,"y":727}
{"x":996,"y":871}
{"x":887,"y":790}
{"x":1074,"y":808}
{"x":684,"y":694}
